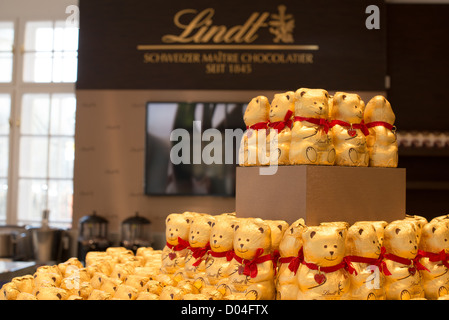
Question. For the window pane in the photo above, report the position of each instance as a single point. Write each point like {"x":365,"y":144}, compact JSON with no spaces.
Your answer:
{"x":6,"y":66}
{"x":39,"y":36}
{"x":3,"y":199}
{"x":36,"y":195}
{"x":61,"y":157}
{"x":50,"y":52}
{"x":35,"y":114}
{"x":4,"y":154}
{"x":60,"y":198}
{"x":5,"y":110}
{"x":46,"y":67}
{"x":65,"y":66}
{"x":66,"y":37}
{"x":6,"y":48}
{"x":63,"y":109}
{"x":6,"y":36}
{"x":37,"y":67}
{"x":32,"y":200}
{"x":33,"y":157}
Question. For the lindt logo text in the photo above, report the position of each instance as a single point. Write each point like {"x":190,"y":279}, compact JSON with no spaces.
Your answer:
{"x":198,"y":27}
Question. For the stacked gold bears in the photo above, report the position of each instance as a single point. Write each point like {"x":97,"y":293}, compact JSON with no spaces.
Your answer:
{"x":251,"y":258}
{"x":116,"y":273}
{"x":224,"y":257}
{"x":311,"y":127}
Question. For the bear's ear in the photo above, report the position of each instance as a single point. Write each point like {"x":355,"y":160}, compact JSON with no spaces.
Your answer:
{"x":236,"y":227}
{"x":397,"y":230}
{"x":300,"y":225}
{"x":360,"y":231}
{"x":168,"y":219}
{"x":325,"y":94}
{"x":280,"y":227}
{"x":302,"y":93}
{"x":312,"y":234}
{"x":209,"y":223}
{"x":434,"y":229}
{"x":339,"y":96}
{"x":291,"y":230}
{"x":261,"y":230}
{"x":288,"y":97}
{"x":340,"y":233}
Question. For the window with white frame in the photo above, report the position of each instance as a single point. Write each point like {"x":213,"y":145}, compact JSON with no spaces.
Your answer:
{"x":6,"y":50}
{"x":46,"y":156}
{"x":37,"y":120}
{"x":5,"y":107}
{"x":6,"y":77}
{"x":50,"y":52}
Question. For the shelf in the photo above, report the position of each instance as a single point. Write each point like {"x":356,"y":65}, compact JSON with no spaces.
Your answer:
{"x":427,"y":185}
{"x":423,"y":152}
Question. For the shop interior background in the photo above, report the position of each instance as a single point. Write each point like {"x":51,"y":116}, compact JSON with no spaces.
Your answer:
{"x":78,"y":151}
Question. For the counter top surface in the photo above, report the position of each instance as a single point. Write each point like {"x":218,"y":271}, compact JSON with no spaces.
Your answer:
{"x":10,"y":269}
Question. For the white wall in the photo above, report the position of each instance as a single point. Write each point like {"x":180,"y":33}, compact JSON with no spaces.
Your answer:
{"x":35,"y":8}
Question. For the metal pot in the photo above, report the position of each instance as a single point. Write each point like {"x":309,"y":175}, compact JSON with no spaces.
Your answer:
{"x":46,"y":242}
{"x":6,"y":248}
{"x":8,"y":236}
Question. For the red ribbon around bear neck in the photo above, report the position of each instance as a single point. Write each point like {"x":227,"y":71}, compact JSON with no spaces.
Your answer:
{"x":380,"y":123}
{"x":250,"y":266}
{"x":435,"y":257}
{"x":318,"y":121}
{"x":258,"y":126}
{"x":352,"y":126}
{"x":343,"y":264}
{"x":182,"y":244}
{"x":275,"y":256}
{"x":378,"y":262}
{"x":413,"y":263}
{"x":198,"y":253}
{"x":228,"y":254}
{"x":293,"y":262}
{"x":280,"y":125}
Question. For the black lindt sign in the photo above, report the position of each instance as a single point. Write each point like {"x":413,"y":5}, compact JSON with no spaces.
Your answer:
{"x":232,"y":45}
